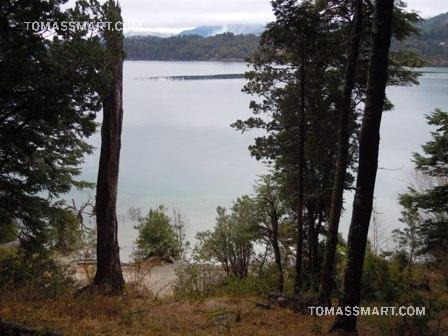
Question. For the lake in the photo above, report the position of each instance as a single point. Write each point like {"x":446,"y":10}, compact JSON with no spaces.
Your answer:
{"x":178,"y":148}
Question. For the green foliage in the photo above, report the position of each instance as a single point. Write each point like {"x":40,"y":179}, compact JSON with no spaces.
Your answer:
{"x":231,"y":241}
{"x":19,"y":269}
{"x":379,"y":281}
{"x":430,"y":324}
{"x":435,"y":161}
{"x":296,"y":80}
{"x":48,"y":103}
{"x":340,"y":265}
{"x":8,"y":232}
{"x":431,"y":41}
{"x":64,"y":230}
{"x":427,"y":201}
{"x":408,"y":241}
{"x":159,"y":235}
{"x":430,"y":45}
{"x":199,"y":280}
{"x":223,"y":47}
{"x":196,"y":280}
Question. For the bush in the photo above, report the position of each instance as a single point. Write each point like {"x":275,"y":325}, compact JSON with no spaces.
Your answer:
{"x":231,"y":242}
{"x":18,"y":269}
{"x":159,"y":235}
{"x":198,"y":280}
{"x":202,"y":280}
{"x":430,"y":324}
{"x":8,"y":232}
{"x":380,"y":280}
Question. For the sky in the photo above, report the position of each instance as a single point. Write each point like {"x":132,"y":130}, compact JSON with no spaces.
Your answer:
{"x":172,"y":16}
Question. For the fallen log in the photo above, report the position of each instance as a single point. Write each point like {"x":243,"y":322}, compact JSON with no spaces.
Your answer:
{"x":263,"y":305}
{"x":8,"y":328}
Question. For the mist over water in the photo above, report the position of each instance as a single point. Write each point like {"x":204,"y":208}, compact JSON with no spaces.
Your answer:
{"x":178,"y":148}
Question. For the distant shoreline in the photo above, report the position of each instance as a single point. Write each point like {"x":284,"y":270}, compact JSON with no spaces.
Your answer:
{"x":246,"y":61}
{"x":187,"y":60}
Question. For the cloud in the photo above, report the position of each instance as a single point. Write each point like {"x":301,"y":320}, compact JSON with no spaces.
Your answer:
{"x":428,"y":8}
{"x":177,"y":14}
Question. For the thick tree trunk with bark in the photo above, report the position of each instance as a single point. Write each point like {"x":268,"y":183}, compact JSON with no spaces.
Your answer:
{"x":337,"y":200}
{"x":368,"y":161}
{"x":109,"y":277}
{"x":300,"y":184}
{"x":276,"y":249}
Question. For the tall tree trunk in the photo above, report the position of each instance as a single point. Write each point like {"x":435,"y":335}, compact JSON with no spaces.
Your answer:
{"x":109,"y":278}
{"x":300,"y":184}
{"x":314,"y":250}
{"x":311,"y":217}
{"x":337,"y":200}
{"x":276,"y":249}
{"x":368,"y":161}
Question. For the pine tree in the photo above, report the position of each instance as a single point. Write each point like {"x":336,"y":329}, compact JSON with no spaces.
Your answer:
{"x":429,"y":204}
{"x":48,"y":104}
{"x":368,"y":161}
{"x":344,"y":110}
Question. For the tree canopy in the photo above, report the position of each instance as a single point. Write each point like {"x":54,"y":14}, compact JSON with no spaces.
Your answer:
{"x":222,"y":47}
{"x":48,"y":103}
{"x":426,"y":204}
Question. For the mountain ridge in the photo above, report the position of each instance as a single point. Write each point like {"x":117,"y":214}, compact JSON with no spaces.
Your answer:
{"x":431,"y":44}
{"x":238,"y":42}
{"x":236,"y":29}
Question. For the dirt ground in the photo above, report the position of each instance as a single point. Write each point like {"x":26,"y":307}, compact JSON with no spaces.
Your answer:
{"x":154,"y":275}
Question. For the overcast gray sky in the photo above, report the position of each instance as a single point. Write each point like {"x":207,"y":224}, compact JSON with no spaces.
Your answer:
{"x":175,"y":15}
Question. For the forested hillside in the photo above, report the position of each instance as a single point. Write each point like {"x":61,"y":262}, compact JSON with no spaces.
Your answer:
{"x":431,"y":45}
{"x":223,"y":47}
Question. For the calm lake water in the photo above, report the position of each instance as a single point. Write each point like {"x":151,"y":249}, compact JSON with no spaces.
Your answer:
{"x":179,"y":149}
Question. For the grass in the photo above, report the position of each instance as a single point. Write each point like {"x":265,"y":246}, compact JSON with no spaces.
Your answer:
{"x":230,"y":309}
{"x":137,"y":313}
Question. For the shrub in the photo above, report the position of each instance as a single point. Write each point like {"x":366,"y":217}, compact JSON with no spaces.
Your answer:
{"x":231,"y":242}
{"x":380,"y":281}
{"x":159,"y":235}
{"x":430,"y":324}
{"x":8,"y":232}
{"x":18,"y":269}
{"x":199,"y":281}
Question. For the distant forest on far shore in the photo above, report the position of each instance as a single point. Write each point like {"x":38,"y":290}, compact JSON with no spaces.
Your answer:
{"x":222,"y":47}
{"x":431,"y":45}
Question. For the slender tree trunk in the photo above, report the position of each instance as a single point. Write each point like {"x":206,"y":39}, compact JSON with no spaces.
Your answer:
{"x":109,"y":278}
{"x":300,"y":184}
{"x":368,"y":161}
{"x":311,"y":217}
{"x":337,"y":200}
{"x":314,"y":251}
{"x":276,"y":249}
